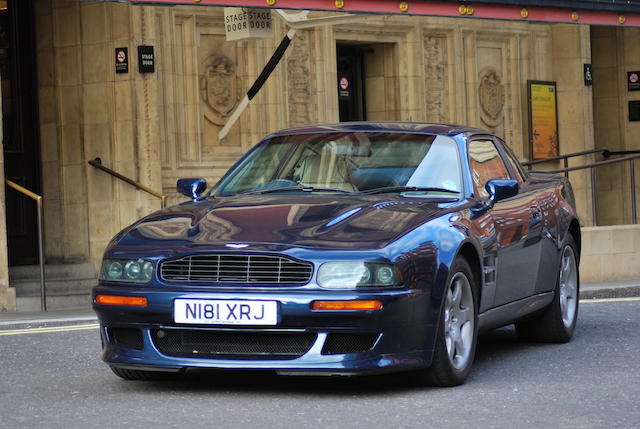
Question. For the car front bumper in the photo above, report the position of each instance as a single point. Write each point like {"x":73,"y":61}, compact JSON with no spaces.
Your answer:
{"x":402,"y":332}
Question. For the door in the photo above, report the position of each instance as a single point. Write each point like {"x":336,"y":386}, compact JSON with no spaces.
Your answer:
{"x":20,"y":127}
{"x":351,"y":100}
{"x":516,"y":223}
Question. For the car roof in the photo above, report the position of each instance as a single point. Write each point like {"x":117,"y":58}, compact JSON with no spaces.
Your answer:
{"x":394,"y":127}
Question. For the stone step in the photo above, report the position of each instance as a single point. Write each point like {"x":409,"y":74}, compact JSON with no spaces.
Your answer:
{"x":60,"y":280}
{"x":65,"y":302}
{"x":83,"y":270}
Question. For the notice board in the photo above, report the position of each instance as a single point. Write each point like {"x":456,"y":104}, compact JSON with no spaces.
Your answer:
{"x":543,"y":119}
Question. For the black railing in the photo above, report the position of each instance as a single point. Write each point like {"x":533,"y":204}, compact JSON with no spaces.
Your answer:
{"x":633,"y":156}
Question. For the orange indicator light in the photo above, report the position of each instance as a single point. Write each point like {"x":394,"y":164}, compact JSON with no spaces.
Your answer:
{"x":131,"y":301}
{"x":372,"y":304}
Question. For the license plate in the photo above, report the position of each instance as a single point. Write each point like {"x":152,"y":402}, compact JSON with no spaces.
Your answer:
{"x":225,"y":312}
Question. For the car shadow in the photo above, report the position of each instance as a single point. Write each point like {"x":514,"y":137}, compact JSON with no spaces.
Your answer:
{"x":494,"y":348}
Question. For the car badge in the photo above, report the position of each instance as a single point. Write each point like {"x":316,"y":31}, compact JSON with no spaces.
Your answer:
{"x":237,"y":245}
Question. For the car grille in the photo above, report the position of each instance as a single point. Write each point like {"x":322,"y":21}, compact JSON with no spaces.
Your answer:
{"x":207,"y":344}
{"x":237,"y":269}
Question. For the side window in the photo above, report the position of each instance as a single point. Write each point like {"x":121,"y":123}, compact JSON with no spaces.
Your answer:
{"x":513,"y":163}
{"x":485,"y":164}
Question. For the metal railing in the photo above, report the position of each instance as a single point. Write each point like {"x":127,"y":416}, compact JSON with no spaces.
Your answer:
{"x":97,"y":163}
{"x":564,"y":158}
{"x":592,"y":167}
{"x":38,"y":199}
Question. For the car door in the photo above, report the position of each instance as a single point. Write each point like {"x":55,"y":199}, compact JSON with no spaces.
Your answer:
{"x":516,"y":222}
{"x":543,"y":225}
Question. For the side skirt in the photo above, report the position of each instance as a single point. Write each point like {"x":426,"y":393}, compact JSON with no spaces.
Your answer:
{"x":513,"y":311}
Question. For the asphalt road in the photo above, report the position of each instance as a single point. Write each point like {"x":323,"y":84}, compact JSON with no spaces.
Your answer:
{"x":56,"y":380}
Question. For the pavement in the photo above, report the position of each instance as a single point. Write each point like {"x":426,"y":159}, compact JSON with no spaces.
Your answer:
{"x":84,"y":315}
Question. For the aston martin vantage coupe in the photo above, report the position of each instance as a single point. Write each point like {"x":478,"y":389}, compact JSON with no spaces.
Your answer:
{"x":345,"y":249}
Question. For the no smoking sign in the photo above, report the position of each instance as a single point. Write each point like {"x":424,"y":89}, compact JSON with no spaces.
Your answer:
{"x":122,"y":60}
{"x":633,"y":81}
{"x":343,"y":87}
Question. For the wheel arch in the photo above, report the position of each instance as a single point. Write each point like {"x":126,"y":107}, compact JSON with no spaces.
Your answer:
{"x":574,"y":230}
{"x":469,"y":252}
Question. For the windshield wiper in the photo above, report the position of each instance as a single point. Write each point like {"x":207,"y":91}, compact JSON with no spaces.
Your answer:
{"x":407,"y":189}
{"x":300,"y":188}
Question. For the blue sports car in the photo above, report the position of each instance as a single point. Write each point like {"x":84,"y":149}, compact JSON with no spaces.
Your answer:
{"x":345,"y":249}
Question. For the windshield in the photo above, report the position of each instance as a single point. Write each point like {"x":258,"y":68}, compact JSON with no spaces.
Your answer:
{"x":346,"y":163}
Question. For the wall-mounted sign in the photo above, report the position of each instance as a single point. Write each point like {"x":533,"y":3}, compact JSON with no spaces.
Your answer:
{"x":543,"y":119}
{"x":634,"y":111}
{"x":633,"y":81}
{"x":122,"y":60}
{"x":146,"y":59}
{"x":588,"y":76}
{"x":245,"y":23}
{"x":343,"y":87}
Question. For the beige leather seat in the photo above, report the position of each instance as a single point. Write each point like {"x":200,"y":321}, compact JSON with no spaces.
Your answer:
{"x":326,"y":170}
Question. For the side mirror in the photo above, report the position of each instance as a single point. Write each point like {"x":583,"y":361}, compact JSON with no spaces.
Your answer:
{"x":501,"y":189}
{"x":191,"y":188}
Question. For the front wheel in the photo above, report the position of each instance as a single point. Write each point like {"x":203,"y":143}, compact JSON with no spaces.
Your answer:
{"x":457,"y":330}
{"x":558,"y":322}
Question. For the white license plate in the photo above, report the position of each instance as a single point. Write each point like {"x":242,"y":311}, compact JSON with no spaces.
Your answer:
{"x":225,"y":312}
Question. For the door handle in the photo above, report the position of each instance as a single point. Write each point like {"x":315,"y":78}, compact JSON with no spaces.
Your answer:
{"x":536,"y":217}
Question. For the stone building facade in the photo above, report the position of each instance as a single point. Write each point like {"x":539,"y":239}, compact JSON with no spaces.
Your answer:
{"x":157,"y":127}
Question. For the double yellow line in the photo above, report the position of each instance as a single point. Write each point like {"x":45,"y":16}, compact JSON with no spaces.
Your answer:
{"x":49,"y":329}
{"x":597,"y":300}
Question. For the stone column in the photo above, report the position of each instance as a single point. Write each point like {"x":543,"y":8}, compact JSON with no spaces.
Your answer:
{"x":7,"y":294}
{"x":571,"y":50}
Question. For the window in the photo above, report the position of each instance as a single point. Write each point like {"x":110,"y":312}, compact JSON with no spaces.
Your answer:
{"x":348,"y":161}
{"x":486,"y":164}
{"x":513,"y":163}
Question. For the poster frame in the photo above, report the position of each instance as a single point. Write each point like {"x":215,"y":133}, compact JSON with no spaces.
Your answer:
{"x":530,"y":103}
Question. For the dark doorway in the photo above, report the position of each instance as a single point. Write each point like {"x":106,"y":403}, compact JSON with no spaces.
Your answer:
{"x":351,"y":100}
{"x":20,"y":126}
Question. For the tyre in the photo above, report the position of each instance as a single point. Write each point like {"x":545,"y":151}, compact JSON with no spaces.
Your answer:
{"x":558,"y":322}
{"x":457,"y":333}
{"x":141,"y":375}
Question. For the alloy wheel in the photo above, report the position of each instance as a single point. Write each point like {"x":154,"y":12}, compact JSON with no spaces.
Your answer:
{"x":459,"y":319}
{"x":568,"y":286}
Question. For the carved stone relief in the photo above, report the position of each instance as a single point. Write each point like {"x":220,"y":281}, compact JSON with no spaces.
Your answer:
{"x":491,"y":94}
{"x":218,"y":88}
{"x":434,"y":59}
{"x":299,"y":81}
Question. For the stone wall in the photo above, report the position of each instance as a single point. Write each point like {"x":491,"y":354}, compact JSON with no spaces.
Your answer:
{"x":610,"y":253}
{"x":89,"y":111}
{"x":7,"y":294}
{"x":615,"y":52}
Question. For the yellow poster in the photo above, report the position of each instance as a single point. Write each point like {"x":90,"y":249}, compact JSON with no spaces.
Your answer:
{"x":544,"y":119}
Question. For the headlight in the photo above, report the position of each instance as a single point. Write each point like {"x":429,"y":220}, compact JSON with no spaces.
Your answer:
{"x":357,"y":274}
{"x":123,"y":270}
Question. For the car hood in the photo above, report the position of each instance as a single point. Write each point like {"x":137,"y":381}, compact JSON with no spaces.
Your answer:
{"x":277,"y":222}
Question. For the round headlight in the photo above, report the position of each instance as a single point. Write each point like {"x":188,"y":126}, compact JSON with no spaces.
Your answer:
{"x":366,"y":275}
{"x":132,"y":270}
{"x":147,"y":270}
{"x":114,"y":271}
{"x":385,"y":275}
